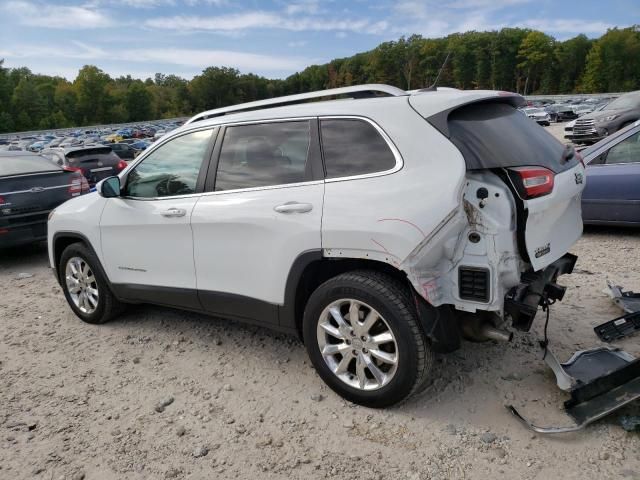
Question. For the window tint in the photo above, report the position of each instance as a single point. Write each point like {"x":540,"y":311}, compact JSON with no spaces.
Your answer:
{"x":171,"y":169}
{"x":496,"y":135}
{"x":263,"y":154}
{"x":627,"y":151}
{"x":354,"y":147}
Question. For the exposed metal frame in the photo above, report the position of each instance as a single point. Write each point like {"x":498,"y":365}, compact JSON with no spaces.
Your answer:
{"x":358,"y":91}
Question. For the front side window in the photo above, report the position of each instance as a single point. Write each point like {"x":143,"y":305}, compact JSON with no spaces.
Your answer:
{"x":262,"y":155}
{"x":171,"y":169}
{"x":354,"y":147}
{"x":627,"y":151}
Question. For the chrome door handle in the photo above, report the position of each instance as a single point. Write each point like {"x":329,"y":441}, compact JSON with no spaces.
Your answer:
{"x":174,"y":212}
{"x":293,"y":207}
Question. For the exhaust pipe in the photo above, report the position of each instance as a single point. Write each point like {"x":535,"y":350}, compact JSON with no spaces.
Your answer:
{"x":493,"y":333}
{"x":479,"y":328}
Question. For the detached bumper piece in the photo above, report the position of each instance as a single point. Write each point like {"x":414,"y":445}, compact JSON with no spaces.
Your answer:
{"x":600,"y":380}
{"x":522,"y":302}
{"x":627,"y":324}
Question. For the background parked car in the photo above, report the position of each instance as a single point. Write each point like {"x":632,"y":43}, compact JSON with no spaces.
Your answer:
{"x":95,"y":162}
{"x":124,"y":151}
{"x":594,"y":126}
{"x":539,"y":115}
{"x":612,"y":193}
{"x":30,"y":187}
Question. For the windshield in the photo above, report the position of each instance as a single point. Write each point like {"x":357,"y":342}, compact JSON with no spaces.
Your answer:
{"x":627,"y":101}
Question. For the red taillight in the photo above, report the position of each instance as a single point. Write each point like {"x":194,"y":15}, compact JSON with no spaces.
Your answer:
{"x":2,"y":201}
{"x":121,"y":165}
{"x":71,"y":169}
{"x":78,"y":186}
{"x":534,"y":181}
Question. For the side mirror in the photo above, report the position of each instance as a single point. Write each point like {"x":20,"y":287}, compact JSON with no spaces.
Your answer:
{"x":109,"y":187}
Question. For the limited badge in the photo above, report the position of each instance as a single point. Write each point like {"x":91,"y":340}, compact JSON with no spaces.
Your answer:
{"x":541,"y":251}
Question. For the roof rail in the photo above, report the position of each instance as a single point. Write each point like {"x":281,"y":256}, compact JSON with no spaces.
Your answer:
{"x":357,"y":91}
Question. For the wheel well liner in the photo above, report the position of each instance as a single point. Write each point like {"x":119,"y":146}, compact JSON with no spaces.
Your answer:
{"x":62,"y":240}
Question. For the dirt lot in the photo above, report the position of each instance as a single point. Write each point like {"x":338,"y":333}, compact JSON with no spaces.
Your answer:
{"x":166,"y":394}
{"x":81,"y":400}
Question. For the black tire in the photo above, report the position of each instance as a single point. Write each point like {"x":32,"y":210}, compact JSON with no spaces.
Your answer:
{"x":107,"y":306}
{"x":393,"y":301}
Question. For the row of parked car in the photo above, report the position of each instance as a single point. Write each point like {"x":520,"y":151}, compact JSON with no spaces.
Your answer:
{"x":590,"y":120}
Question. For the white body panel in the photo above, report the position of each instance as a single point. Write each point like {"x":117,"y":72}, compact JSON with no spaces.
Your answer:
{"x":142,"y":246}
{"x":243,"y":246}
{"x":79,"y":215}
{"x":555,"y":220}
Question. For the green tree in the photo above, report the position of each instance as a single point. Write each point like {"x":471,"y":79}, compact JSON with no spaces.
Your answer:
{"x":535,"y":54}
{"x":139,"y":102}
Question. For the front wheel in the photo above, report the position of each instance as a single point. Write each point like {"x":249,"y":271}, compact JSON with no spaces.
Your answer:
{"x":85,"y":287}
{"x":362,"y":335}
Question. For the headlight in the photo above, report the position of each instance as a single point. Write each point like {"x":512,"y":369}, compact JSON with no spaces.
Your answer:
{"x":606,"y":119}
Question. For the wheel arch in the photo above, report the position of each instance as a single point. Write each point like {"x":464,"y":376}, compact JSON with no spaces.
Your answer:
{"x":62,"y":240}
{"x":311,"y":269}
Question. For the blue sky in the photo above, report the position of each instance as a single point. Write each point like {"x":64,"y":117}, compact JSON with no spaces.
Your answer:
{"x":273,"y":38}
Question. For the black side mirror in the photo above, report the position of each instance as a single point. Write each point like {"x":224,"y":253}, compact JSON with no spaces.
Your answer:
{"x":110,"y":187}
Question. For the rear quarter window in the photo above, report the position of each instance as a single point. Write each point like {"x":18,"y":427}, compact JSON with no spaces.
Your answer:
{"x":496,"y":135}
{"x":354,"y":147}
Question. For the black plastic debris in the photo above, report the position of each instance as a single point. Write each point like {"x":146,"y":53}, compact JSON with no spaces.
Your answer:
{"x":600,"y":381}
{"x":618,"y":327}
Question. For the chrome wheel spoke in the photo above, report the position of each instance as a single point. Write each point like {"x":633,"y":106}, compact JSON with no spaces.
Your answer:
{"x":385,"y":357}
{"x":343,"y":366}
{"x":354,"y":314}
{"x":369,"y":321}
{"x":332,"y":349}
{"x":361,"y":374}
{"x":375,"y":371}
{"x":331,"y":330}
{"x":381,"y":338}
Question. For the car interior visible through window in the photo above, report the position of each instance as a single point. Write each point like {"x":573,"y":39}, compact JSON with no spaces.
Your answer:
{"x":267,"y":154}
{"x":171,"y":169}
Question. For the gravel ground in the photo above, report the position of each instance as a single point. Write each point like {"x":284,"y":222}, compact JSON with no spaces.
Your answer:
{"x":160,"y":393}
{"x":166,"y":394}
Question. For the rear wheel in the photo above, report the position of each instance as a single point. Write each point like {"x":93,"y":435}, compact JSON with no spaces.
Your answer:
{"x":85,"y":287}
{"x":362,"y":335}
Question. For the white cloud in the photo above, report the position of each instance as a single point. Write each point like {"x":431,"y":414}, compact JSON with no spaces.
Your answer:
{"x":297,"y":44}
{"x":265,"y":20}
{"x":307,"y":7}
{"x":55,"y":16}
{"x":567,"y":26}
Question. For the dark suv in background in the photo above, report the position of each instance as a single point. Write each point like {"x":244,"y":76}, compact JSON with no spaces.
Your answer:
{"x":95,"y":162}
{"x":594,"y":126}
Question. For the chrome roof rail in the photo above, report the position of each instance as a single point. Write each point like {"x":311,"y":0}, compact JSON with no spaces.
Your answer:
{"x":356,"y":91}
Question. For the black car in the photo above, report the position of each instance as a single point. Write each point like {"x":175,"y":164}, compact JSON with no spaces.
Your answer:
{"x":123,"y":150}
{"x":95,"y":162}
{"x":560,"y":112}
{"x":30,"y":187}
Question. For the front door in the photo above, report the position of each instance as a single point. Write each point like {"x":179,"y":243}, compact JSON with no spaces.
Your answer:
{"x":146,"y":234}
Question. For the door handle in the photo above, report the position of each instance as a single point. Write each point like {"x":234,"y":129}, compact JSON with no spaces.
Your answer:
{"x":293,"y":207}
{"x":174,"y":212}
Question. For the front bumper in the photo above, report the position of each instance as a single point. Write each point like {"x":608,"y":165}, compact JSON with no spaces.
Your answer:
{"x":536,"y":289}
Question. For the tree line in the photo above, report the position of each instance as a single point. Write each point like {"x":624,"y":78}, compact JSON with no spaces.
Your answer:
{"x":514,"y":59}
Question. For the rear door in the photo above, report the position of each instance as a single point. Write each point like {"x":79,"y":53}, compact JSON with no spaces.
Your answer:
{"x":264,"y":209}
{"x":96,"y":163}
{"x":146,"y":233}
{"x":612,"y":194}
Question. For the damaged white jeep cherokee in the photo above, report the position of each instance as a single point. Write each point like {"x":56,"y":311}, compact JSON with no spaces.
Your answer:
{"x":381,"y":227}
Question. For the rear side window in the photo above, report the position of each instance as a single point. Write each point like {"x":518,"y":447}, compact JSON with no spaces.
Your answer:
{"x":89,"y":152}
{"x":496,"y":135}
{"x":262,"y":155}
{"x":354,"y":147}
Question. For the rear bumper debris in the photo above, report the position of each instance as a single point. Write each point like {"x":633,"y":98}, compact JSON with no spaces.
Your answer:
{"x":522,"y":302}
{"x":627,"y":324}
{"x":600,"y":380}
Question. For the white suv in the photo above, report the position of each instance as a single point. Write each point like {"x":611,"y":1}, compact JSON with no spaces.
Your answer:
{"x":380,"y":227}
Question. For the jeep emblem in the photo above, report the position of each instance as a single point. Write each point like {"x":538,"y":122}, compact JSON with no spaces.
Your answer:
{"x":579,"y":178}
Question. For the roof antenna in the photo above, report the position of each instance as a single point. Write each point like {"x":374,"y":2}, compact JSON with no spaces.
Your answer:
{"x":433,"y":87}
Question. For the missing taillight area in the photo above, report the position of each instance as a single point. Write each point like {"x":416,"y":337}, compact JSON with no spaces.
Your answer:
{"x":532,"y":182}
